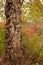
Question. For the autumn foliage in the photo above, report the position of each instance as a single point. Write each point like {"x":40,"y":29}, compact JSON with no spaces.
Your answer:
{"x":30,"y":29}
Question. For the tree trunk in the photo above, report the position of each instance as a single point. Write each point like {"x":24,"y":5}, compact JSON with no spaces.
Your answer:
{"x":13,"y":35}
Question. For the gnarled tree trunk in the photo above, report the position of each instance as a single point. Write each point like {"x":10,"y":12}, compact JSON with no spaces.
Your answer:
{"x":13,"y":35}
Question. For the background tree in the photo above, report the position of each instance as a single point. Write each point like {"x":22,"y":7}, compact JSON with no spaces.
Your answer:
{"x":32,"y":11}
{"x":2,"y":11}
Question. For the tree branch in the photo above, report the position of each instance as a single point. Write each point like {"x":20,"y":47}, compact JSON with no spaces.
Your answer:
{"x":21,"y":1}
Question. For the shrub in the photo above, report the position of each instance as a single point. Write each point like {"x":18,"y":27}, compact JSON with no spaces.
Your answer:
{"x":1,"y":41}
{"x":33,"y":49}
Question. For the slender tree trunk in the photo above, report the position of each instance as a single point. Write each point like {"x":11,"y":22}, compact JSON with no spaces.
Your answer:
{"x":13,"y":35}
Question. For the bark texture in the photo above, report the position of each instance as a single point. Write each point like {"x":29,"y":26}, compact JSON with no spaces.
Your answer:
{"x":13,"y":35}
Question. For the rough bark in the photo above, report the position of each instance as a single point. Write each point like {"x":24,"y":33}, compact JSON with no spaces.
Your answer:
{"x":13,"y":36}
